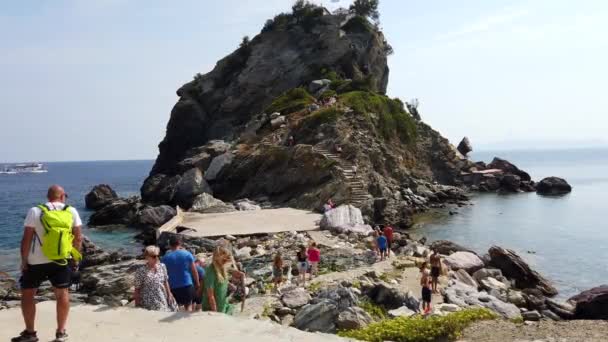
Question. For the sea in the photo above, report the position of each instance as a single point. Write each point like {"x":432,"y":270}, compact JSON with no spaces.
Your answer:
{"x":564,"y":238}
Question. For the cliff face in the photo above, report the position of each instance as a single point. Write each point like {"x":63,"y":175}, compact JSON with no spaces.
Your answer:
{"x":290,"y":54}
{"x":303,"y":117}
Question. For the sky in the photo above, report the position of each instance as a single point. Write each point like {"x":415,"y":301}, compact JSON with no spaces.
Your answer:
{"x":96,"y":79}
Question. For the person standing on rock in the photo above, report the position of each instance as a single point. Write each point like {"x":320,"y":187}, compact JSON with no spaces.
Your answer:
{"x":435,"y":269}
{"x":425,"y":283}
{"x":216,"y":282}
{"x":388,"y":232}
{"x":277,"y":272}
{"x":52,"y":239}
{"x":183,"y":276}
{"x":152,"y":291}
{"x":382,"y":245}
{"x":302,"y":259}
{"x":314,"y":257}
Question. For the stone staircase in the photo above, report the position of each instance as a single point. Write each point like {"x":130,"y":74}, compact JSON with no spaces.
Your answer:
{"x":358,"y":193}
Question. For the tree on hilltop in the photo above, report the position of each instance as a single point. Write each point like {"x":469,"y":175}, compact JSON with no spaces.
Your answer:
{"x":366,"y":8}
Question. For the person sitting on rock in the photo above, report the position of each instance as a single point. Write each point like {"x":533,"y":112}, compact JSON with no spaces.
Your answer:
{"x":314,"y":257}
{"x":277,"y":272}
{"x":435,"y":269}
{"x":302,"y":259}
{"x":382,"y":245}
{"x":216,"y":282}
{"x":152,"y":291}
{"x":425,"y":283}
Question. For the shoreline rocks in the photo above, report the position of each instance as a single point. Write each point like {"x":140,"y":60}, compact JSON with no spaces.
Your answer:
{"x":553,"y":186}
{"x":591,"y":304}
{"x":100,"y":196}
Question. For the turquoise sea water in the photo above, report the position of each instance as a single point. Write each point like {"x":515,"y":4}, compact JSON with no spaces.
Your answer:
{"x":20,"y":192}
{"x":567,"y":236}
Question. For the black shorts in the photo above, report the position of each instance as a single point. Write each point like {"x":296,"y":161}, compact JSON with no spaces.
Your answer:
{"x":60,"y":276}
{"x":435,"y":272}
{"x":426,"y":294}
{"x":184,"y":295}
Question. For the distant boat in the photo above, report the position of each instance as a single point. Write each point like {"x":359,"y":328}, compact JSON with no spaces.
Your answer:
{"x":24,"y":168}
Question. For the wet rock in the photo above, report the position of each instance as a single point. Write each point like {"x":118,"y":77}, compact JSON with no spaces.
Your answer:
{"x":592,"y":303}
{"x":446,"y":247}
{"x":317,"y":317}
{"x":100,"y":196}
{"x":514,"y":267}
{"x":353,"y":318}
{"x":464,"y":260}
{"x":553,"y":186}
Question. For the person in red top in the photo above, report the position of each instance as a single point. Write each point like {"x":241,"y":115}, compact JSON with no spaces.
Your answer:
{"x":388,"y":232}
{"x":314,"y":256}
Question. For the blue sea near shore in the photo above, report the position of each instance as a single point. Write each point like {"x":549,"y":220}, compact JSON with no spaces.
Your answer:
{"x":20,"y":192}
{"x":564,"y":238}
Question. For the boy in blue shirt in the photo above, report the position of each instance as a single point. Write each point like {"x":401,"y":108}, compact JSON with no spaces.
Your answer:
{"x":183,"y":276}
{"x":382,"y":246}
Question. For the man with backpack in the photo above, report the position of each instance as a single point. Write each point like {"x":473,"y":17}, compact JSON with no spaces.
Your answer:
{"x":51,"y":242}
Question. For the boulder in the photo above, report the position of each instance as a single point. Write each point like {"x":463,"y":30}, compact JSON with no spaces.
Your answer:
{"x":159,"y":189}
{"x":514,"y":267}
{"x":535,"y":299}
{"x":207,"y":204}
{"x":464,"y":277}
{"x":592,"y":303}
{"x":100,"y":196}
{"x":465,"y":146}
{"x":217,"y":164}
{"x":464,"y":260}
{"x":154,"y":217}
{"x":246,"y":205}
{"x":317,"y":317}
{"x":485,"y":273}
{"x":446,"y":247}
{"x":531,"y":315}
{"x":119,"y":212}
{"x":516,"y":298}
{"x":564,"y":310}
{"x":465,"y":296}
{"x":403,"y":311}
{"x":114,"y":280}
{"x":553,"y":186}
{"x":344,"y":219}
{"x":343,"y":297}
{"x":189,"y":186}
{"x":295,"y":298}
{"x":353,"y":318}
{"x":510,"y":182}
{"x":490,"y":284}
{"x":507,"y":167}
{"x":388,"y":296}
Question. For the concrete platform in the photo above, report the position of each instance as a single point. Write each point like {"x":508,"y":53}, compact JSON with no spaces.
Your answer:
{"x":246,"y":222}
{"x":100,"y":324}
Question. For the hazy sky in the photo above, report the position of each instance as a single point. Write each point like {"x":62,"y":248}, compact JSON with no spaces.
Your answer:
{"x":96,"y":79}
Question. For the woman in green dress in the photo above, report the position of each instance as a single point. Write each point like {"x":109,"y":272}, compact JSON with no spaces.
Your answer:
{"x":215,"y":296}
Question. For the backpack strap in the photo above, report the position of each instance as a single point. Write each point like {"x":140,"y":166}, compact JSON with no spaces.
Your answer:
{"x":66,"y":207}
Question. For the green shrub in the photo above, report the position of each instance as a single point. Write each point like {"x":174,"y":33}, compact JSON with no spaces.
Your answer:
{"x":327,"y":94}
{"x":358,"y":24}
{"x":376,"y":311}
{"x":279,"y":22}
{"x":392,"y":117}
{"x":418,"y":328}
{"x":322,"y":116}
{"x":291,"y":101}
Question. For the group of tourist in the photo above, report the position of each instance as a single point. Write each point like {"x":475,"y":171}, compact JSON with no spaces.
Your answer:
{"x":179,"y":281}
{"x":383,"y":239}
{"x":307,"y":261}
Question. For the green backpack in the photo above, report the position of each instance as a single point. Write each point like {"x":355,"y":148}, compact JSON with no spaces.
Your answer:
{"x":58,"y":237}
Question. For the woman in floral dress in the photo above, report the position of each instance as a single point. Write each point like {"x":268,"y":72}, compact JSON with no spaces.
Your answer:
{"x":151,"y":283}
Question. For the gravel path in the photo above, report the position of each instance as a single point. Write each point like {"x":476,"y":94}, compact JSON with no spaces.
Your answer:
{"x":545,"y":331}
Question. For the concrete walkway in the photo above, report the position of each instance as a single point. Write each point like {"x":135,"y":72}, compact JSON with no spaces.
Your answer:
{"x":98,"y":324}
{"x":249,"y":222}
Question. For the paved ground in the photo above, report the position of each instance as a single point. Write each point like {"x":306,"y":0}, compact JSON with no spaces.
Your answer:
{"x":249,"y":222}
{"x":97,"y":324}
{"x":545,"y":331}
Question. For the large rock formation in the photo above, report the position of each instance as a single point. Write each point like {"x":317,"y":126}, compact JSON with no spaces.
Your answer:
{"x":100,"y":196}
{"x":279,"y":140}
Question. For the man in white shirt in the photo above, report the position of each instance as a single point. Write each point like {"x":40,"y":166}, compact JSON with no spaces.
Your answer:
{"x":37,"y":268}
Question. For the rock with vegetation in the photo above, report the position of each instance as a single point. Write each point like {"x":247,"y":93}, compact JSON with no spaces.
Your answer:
{"x":100,"y":196}
{"x":553,"y":186}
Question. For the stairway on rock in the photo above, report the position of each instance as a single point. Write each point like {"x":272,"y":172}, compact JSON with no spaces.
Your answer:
{"x":358,"y":192}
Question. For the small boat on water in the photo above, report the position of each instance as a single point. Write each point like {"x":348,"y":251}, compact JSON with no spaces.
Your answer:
{"x":23,"y":168}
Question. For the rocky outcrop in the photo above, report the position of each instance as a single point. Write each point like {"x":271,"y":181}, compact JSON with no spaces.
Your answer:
{"x":465,"y":146}
{"x":100,"y":196}
{"x":122,"y":211}
{"x":552,"y":186}
{"x":592,"y":303}
{"x":514,"y":267}
{"x":508,"y":168}
{"x":154,"y":217}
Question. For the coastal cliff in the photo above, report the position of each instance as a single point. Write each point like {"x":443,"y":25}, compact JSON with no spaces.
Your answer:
{"x":298,"y":115}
